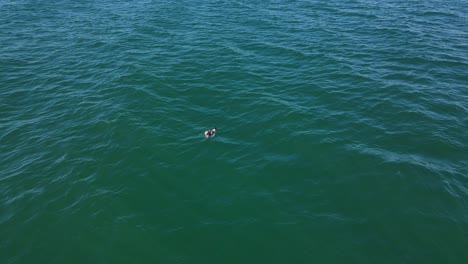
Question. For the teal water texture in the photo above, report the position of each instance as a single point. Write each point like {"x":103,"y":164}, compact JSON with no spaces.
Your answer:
{"x":342,"y":131}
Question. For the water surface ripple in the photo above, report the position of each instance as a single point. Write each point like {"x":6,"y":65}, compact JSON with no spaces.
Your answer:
{"x":342,"y":131}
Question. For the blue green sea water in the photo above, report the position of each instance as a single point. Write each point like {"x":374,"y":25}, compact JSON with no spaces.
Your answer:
{"x":342,"y":131}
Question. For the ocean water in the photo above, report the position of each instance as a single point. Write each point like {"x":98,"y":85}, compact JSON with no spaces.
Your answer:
{"x":342,"y":131}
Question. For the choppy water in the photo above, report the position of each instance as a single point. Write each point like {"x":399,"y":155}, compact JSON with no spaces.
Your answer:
{"x":342,"y":131}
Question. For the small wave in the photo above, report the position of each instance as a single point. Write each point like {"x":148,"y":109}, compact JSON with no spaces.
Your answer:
{"x":413,"y":159}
